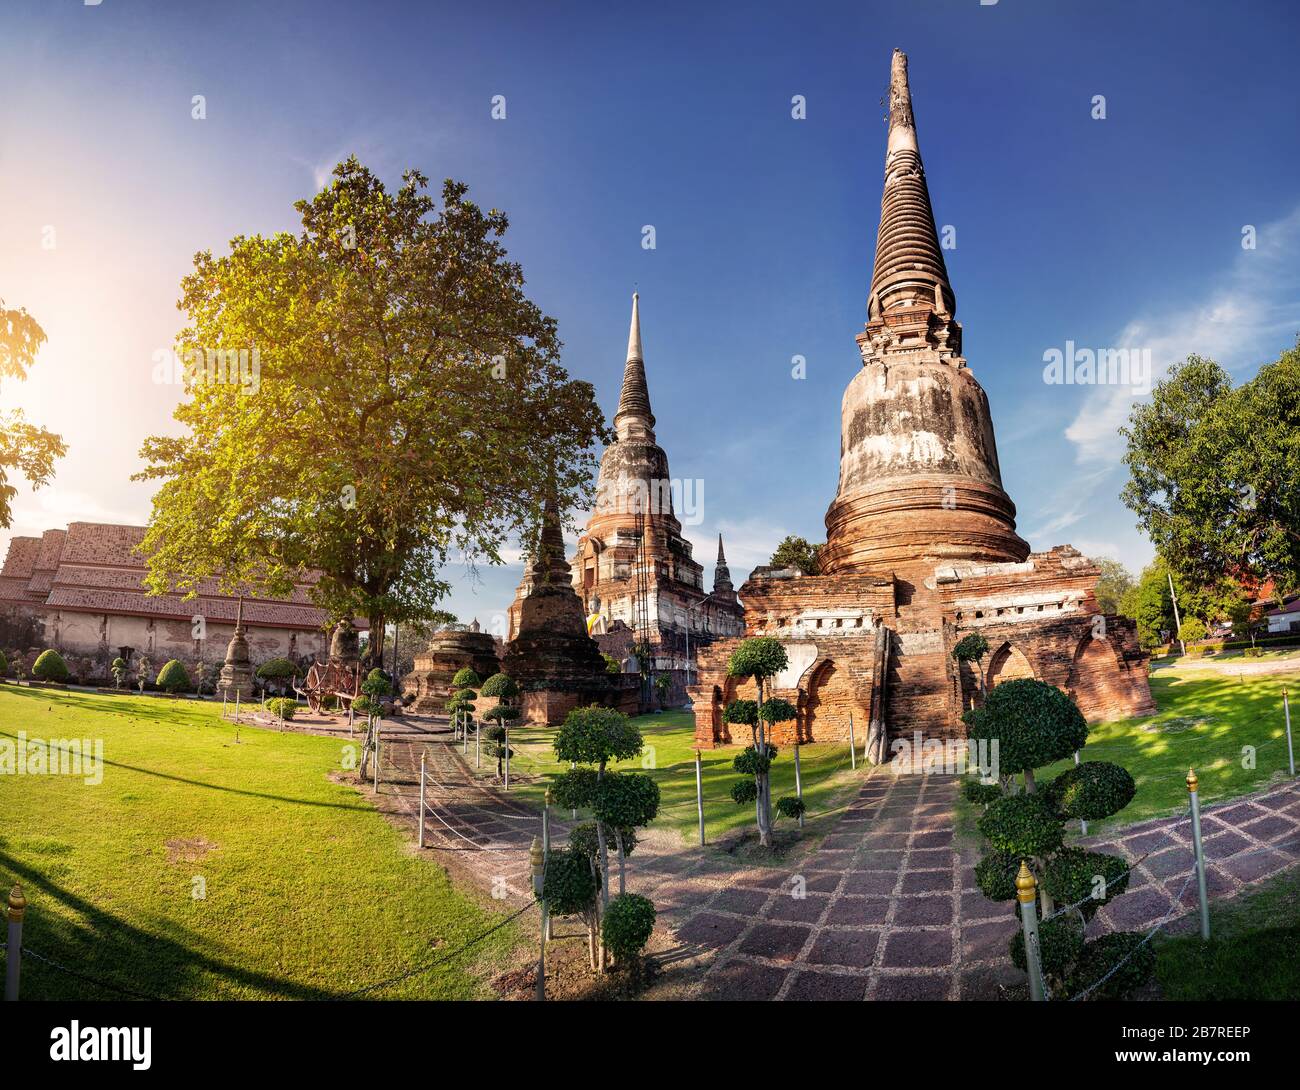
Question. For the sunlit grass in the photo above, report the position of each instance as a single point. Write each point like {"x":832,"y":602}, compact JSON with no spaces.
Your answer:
{"x":309,"y":891}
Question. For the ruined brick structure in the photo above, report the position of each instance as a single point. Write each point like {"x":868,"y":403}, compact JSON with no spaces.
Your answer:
{"x":921,"y":539}
{"x":634,"y":479}
{"x":450,"y":650}
{"x":555,"y":662}
{"x":84,"y":588}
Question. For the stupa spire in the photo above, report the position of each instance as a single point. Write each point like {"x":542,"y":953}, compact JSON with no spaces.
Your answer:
{"x":909,"y":269}
{"x":634,"y":415}
{"x":722,"y":574}
{"x":551,"y":565}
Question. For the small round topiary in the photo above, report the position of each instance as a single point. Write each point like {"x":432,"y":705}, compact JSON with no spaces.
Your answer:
{"x":758,"y":657}
{"x":173,"y":678}
{"x":277,"y":670}
{"x":568,"y":886}
{"x":744,"y":712}
{"x":49,"y":666}
{"x":982,"y":794}
{"x":1022,"y":825}
{"x":501,"y":686}
{"x":1032,"y":723}
{"x":777,"y":711}
{"x":1059,"y":943}
{"x":995,"y":874}
{"x":282,"y":707}
{"x":750,"y":762}
{"x":466,"y":678}
{"x":743,"y":791}
{"x":502,"y":713}
{"x":1074,"y":874}
{"x":628,"y":924}
{"x":1091,"y":791}
{"x":572,"y":790}
{"x":791,"y":806}
{"x":1098,"y":956}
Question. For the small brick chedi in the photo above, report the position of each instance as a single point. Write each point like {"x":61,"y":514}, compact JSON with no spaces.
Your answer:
{"x":921,"y":544}
{"x":450,"y":650}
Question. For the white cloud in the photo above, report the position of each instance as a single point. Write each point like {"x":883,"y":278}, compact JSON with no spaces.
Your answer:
{"x":1238,"y":322}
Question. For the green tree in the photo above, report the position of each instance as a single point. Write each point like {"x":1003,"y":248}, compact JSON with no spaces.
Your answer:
{"x":119,"y":671}
{"x":760,"y":658}
{"x":173,"y":678}
{"x":49,"y":666}
{"x":279,"y":670}
{"x":1115,"y":583}
{"x":972,"y":648}
{"x":409,"y":402}
{"x":26,"y":449}
{"x":796,"y":552}
{"x":1214,"y":471}
{"x":1036,"y":724}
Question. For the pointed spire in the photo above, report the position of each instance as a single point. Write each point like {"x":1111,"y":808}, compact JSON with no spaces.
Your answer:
{"x":551,"y":565}
{"x":722,"y":585}
{"x":239,"y":616}
{"x":909,"y":268}
{"x":634,"y":413}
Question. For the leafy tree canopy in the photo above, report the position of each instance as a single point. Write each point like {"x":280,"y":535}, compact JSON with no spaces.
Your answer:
{"x":1033,"y":723}
{"x":29,"y":450}
{"x":595,"y":736}
{"x":409,"y":403}
{"x":1116,"y":581}
{"x":796,"y":552}
{"x":759,"y":657}
{"x":1214,"y":472}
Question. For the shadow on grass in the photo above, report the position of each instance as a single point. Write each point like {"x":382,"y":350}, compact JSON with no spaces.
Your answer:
{"x":110,"y":948}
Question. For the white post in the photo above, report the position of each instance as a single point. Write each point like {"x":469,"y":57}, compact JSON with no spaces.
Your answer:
{"x":1290,"y":749}
{"x":420,"y":842}
{"x":506,"y":742}
{"x":798,"y":780}
{"x":699,"y":793}
{"x":1173,"y":598}
{"x":853,"y":748}
{"x":376,"y":756}
{"x":1199,"y":848}
{"x":537,"y":857}
{"x":1027,"y":892}
{"x":478,"y":745}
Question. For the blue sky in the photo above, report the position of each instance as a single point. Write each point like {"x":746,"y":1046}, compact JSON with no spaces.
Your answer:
{"x":1122,"y":232}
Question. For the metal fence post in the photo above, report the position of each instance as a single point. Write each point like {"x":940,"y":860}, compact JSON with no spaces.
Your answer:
{"x":478,"y":744}
{"x":699,"y":792}
{"x":505,"y":727}
{"x":1199,"y":848}
{"x":1083,"y":825}
{"x":537,"y":857}
{"x":546,"y":854}
{"x":376,"y":757}
{"x":1027,"y":892}
{"x":420,"y":842}
{"x":1290,"y":750}
{"x":14,"y":959}
{"x":853,"y":748}
{"x":236,"y":705}
{"x":573,"y":814}
{"x":798,"y":781}
{"x":223,"y":703}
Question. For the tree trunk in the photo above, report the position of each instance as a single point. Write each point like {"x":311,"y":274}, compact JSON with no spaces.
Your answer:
{"x":622,"y":864}
{"x":1030,"y":786}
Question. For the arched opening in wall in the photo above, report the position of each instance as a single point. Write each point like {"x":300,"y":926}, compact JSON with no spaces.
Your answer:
{"x":832,"y":698}
{"x":1007,"y":664}
{"x":1092,"y":675}
{"x":737,"y":689}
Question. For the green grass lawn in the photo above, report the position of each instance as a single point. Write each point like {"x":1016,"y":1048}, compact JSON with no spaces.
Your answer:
{"x":1203,"y":722}
{"x":670,"y":757}
{"x":1253,"y":952}
{"x":309,"y":891}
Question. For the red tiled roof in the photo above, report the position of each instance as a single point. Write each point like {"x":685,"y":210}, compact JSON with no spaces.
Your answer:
{"x":92,"y":567}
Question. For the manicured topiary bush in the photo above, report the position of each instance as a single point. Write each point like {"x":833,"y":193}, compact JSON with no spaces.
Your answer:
{"x":49,"y":666}
{"x":4,"y":665}
{"x":1095,"y":878}
{"x":760,"y":658}
{"x":628,"y":924}
{"x":744,"y":791}
{"x":973,"y":648}
{"x":1033,"y":724}
{"x":1091,"y":791}
{"x":282,"y":707}
{"x":173,"y":677}
{"x":1126,"y":949}
{"x":501,"y":686}
{"x":788,"y":806}
{"x":1021,"y":825}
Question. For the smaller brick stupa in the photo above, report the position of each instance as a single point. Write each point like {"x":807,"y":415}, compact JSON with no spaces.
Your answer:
{"x":450,"y":651}
{"x":237,"y":672}
{"x":555,"y":662}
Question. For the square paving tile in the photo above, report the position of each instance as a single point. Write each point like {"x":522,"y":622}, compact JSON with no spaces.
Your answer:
{"x":856,"y":949}
{"x":857,"y":911}
{"x":1148,"y":842}
{"x":710,"y":929}
{"x":740,"y":980}
{"x":911,"y":949}
{"x":873,"y":841}
{"x":1255,"y":865}
{"x":827,"y":987}
{"x":987,"y":981}
{"x":872,"y":883}
{"x":930,"y":859}
{"x":807,"y":909}
{"x":927,"y":881}
{"x":1169,"y":862}
{"x":988,"y":939}
{"x":837,"y":841}
{"x":914,"y":911}
{"x":822,"y":881}
{"x":1137,"y":909}
{"x":889,"y":859}
{"x":912,"y":986}
{"x":941,"y":839}
{"x":1269,"y":828}
{"x":778,"y":941}
{"x":975,"y":906}
{"x":748,"y":902}
{"x":1224,"y":845}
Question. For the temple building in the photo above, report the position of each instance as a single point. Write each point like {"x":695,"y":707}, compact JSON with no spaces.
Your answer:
{"x":921,"y":544}
{"x":633,"y":570}
{"x":81,"y":591}
{"x":450,"y":650}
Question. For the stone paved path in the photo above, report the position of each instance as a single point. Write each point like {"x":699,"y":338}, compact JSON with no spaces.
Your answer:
{"x":886,"y":907}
